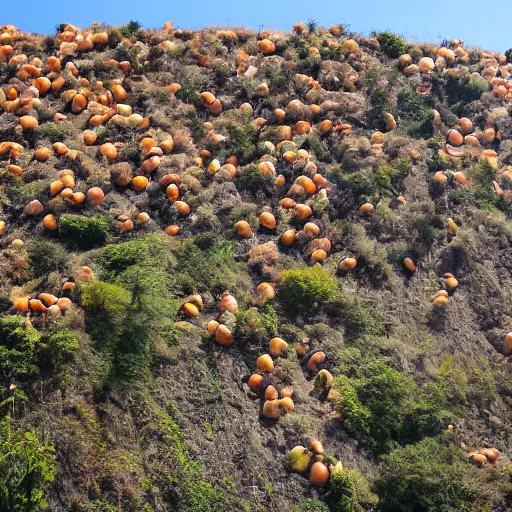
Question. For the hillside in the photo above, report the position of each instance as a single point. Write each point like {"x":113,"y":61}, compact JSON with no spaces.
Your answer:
{"x":220,"y":245}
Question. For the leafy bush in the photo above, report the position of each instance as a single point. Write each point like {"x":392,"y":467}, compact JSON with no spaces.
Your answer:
{"x":242,"y":140}
{"x":27,"y":355}
{"x":355,"y":416}
{"x":359,"y":321}
{"x":101,"y":296}
{"x":342,"y":494}
{"x":367,"y":183}
{"x":416,"y":112}
{"x":391,"y":44}
{"x":464,"y":89}
{"x":383,"y":408}
{"x":27,"y":468}
{"x":311,"y":505}
{"x":46,"y":256}
{"x":425,"y":477}
{"x":131,"y":29}
{"x":319,"y":147}
{"x":252,"y":180}
{"x":150,"y":250}
{"x":189,"y":94}
{"x":255,"y":327}
{"x":380,"y":101}
{"x":305,"y":289}
{"x":54,"y":132}
{"x":84,"y":232}
{"x":205,"y":263}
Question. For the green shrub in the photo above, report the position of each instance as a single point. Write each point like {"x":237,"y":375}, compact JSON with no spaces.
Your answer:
{"x":21,"y":193}
{"x":196,"y":127}
{"x":18,"y":349}
{"x":427,"y":477}
{"x":83,"y":232}
{"x":101,"y":296}
{"x":60,"y":348}
{"x":415,"y":111}
{"x":305,"y":289}
{"x":254,"y":327}
{"x":242,"y":140}
{"x":149,"y":250}
{"x":367,"y":184}
{"x":205,"y":263}
{"x":342,"y":494}
{"x":131,"y":29}
{"x":380,"y":101}
{"x":28,"y":356}
{"x":391,"y":44}
{"x":54,"y":132}
{"x":383,"y":408}
{"x":189,"y":94}
{"x":464,"y":89}
{"x":252,"y":180}
{"x":359,"y":320}
{"x":355,"y":416}
{"x":311,"y":505}
{"x":319,"y":147}
{"x":45,"y":256}
{"x":27,"y":468}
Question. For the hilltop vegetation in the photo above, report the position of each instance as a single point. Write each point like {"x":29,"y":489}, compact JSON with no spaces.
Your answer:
{"x":253,"y":271}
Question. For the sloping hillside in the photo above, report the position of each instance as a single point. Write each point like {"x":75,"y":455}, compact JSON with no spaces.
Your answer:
{"x":253,"y":271}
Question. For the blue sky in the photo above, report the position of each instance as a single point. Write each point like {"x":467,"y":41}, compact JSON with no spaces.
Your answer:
{"x":476,"y":22}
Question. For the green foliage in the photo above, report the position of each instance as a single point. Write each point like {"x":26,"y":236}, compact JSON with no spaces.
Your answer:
{"x":397,"y":171}
{"x":342,"y":494}
{"x":189,"y":94}
{"x":252,"y":180}
{"x":46,"y":256}
{"x":107,"y":297}
{"x":355,"y":416}
{"x":310,"y":65}
{"x":415,"y":111}
{"x":305,"y":289}
{"x":312,"y":26}
{"x":131,"y":29}
{"x":205,"y":263}
{"x":18,"y":353}
{"x":54,"y":132}
{"x":319,"y":147}
{"x":464,"y":89}
{"x":392,"y":44}
{"x":369,"y":184}
{"x":196,"y":127}
{"x":254,"y":327}
{"x":83,"y":232}
{"x":21,"y":193}
{"x":382,"y":407}
{"x":311,"y":505}
{"x":242,"y":140}
{"x":27,"y":468}
{"x":481,"y":176}
{"x":425,"y":477}
{"x":359,"y":320}
{"x":27,"y":355}
{"x":380,"y":101}
{"x":133,"y":307}
{"x":149,"y":250}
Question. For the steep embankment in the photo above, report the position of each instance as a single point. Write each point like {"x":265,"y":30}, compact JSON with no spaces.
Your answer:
{"x":172,"y":201}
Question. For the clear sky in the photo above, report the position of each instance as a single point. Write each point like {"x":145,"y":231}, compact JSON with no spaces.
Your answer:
{"x":478,"y":23}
